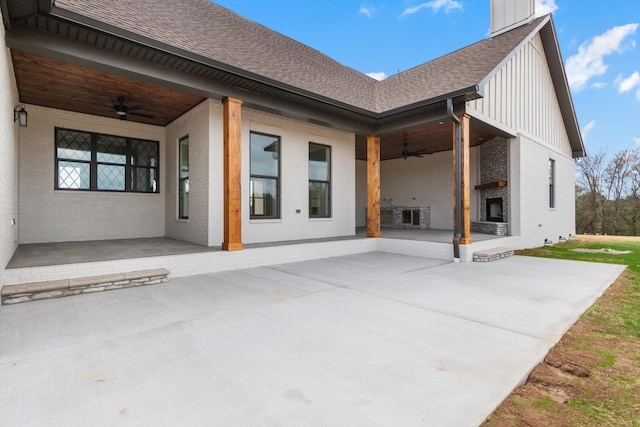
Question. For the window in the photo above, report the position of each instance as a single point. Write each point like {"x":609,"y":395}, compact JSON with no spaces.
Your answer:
{"x":265,"y":176}
{"x":96,"y":162}
{"x":319,"y":181}
{"x":183,"y":178}
{"x":552,"y":183}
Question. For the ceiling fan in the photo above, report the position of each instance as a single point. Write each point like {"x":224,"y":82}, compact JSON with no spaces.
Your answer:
{"x":406,"y":153}
{"x":122,"y":110}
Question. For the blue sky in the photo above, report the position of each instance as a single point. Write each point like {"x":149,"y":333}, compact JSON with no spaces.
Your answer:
{"x":599,"y":41}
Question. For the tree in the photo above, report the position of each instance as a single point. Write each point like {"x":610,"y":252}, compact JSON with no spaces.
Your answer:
{"x":631,"y":214}
{"x":617,"y":177}
{"x":591,"y":170}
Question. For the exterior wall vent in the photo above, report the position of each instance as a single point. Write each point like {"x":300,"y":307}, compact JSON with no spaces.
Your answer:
{"x":509,"y":14}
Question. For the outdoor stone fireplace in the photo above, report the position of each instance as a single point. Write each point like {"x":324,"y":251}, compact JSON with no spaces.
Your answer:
{"x":494,"y":210}
{"x":494,"y":193}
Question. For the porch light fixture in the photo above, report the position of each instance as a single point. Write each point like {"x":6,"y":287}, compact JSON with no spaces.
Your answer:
{"x":21,"y":115}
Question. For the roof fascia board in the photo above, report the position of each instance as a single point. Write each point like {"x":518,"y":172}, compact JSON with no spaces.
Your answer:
{"x":563,"y":92}
{"x":79,"y":19}
{"x":511,"y":54}
{"x":4,"y":9}
{"x":31,"y":41}
{"x":45,"y":6}
{"x":471,"y":90}
{"x":419,"y":120}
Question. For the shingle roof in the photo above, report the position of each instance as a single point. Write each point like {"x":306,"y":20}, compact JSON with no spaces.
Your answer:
{"x":210,"y":30}
{"x":457,"y":70}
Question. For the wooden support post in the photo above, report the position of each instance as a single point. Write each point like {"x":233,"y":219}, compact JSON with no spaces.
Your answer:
{"x":232,"y":166}
{"x":373,"y":186}
{"x":465,"y":234}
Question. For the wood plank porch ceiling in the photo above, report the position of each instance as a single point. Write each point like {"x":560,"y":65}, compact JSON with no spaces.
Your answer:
{"x":431,"y":139}
{"x":56,"y":84}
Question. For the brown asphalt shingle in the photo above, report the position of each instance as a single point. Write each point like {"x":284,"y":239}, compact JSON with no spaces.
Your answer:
{"x":207,"y":29}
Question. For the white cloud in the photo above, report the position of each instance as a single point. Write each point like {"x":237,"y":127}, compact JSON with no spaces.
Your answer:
{"x":544,"y":7}
{"x":434,"y":5}
{"x":365,"y":11}
{"x":636,"y":139}
{"x":378,"y":76}
{"x":587,"y":128}
{"x":599,"y":85}
{"x":625,"y":85}
{"x":588,"y":62}
{"x":368,"y":10}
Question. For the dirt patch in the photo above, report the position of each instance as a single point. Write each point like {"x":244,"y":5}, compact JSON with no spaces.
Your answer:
{"x":590,"y":378}
{"x":599,"y":238}
{"x":600,"y":251}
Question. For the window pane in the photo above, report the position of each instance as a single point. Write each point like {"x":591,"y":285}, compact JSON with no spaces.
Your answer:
{"x":319,"y":199}
{"x":111,"y":149}
{"x":552,"y":182}
{"x":264,"y":197}
{"x":144,"y":153}
{"x":183,"y":178}
{"x":110,"y":177}
{"x":264,"y":154}
{"x":184,"y":158}
{"x":319,"y":161}
{"x":144,"y":180}
{"x":73,"y":175}
{"x":73,"y":145}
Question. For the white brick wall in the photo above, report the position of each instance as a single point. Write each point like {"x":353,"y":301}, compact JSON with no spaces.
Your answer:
{"x":530,"y":164}
{"x":294,"y":187}
{"x":415,"y":181}
{"x":9,"y":136}
{"x":198,"y":124}
{"x":48,"y":215}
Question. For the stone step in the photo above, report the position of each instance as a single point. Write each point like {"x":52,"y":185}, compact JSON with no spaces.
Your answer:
{"x":14,"y":294}
{"x":494,"y":254}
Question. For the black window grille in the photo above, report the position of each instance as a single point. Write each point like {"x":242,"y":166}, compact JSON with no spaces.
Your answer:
{"x":92,"y":161}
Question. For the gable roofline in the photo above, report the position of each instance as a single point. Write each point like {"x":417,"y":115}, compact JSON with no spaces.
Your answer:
{"x":515,"y":50}
{"x":561,"y":86}
{"x":547,"y":32}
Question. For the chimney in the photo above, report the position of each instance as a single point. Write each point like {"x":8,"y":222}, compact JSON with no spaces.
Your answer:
{"x":509,"y":14}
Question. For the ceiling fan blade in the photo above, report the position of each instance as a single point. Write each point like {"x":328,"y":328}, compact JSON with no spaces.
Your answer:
{"x":134,"y":108}
{"x":140,"y":115}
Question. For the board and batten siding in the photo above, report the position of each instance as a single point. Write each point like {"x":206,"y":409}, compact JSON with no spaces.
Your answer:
{"x":522,"y":99}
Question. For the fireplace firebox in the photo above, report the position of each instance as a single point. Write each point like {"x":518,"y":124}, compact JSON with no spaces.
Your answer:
{"x":494,"y":210}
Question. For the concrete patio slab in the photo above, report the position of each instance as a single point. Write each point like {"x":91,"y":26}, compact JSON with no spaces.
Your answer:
{"x":364,"y":340}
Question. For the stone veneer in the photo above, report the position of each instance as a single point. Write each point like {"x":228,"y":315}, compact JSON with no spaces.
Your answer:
{"x":395,"y":215}
{"x":490,"y":227}
{"x":14,"y":294}
{"x":494,"y":163}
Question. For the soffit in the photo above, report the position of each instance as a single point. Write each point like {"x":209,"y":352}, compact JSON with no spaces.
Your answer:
{"x":56,"y":84}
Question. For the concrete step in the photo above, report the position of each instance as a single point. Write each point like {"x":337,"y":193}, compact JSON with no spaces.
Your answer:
{"x":494,"y":254}
{"x":14,"y":294}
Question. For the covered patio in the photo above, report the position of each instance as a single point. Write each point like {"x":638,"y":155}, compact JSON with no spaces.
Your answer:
{"x":371,"y":339}
{"x":125,"y":81}
{"x":79,"y":252}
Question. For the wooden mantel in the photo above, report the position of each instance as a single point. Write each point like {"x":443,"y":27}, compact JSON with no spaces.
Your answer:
{"x":488,"y":185}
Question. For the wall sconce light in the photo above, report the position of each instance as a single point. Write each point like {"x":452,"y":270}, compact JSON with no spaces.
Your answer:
{"x":21,"y":115}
